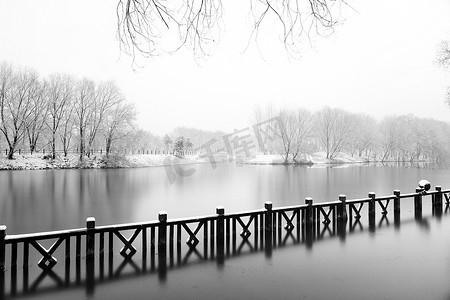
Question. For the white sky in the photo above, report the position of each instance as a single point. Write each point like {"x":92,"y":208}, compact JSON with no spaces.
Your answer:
{"x":380,"y":61}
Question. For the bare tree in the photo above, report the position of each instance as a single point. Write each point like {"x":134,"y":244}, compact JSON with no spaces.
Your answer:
{"x":295,"y":127}
{"x":107,"y":96}
{"x":60,"y":95}
{"x":390,"y":129}
{"x":38,"y":117}
{"x":443,"y":55}
{"x":333,"y":127}
{"x":84,"y":101}
{"x":119,"y":123}
{"x":304,"y":131}
{"x":443,"y":58}
{"x":16,"y":103}
{"x":364,"y":136}
{"x":68,"y":122}
{"x":143,"y":24}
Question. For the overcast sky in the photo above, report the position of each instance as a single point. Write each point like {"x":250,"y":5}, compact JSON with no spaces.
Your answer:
{"x":380,"y":60}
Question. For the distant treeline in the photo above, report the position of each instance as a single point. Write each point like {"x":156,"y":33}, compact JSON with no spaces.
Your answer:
{"x":335,"y":131}
{"x":62,"y":114}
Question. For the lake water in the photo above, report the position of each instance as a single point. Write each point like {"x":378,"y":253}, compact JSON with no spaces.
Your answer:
{"x":411,"y":261}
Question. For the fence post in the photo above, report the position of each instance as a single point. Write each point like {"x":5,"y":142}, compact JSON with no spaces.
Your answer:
{"x":342,"y":208}
{"x":90,"y":237}
{"x":162,"y":245}
{"x":2,"y":260}
{"x":418,"y":204}
{"x":268,"y":207}
{"x":397,"y":200}
{"x":309,"y":210}
{"x":372,"y":211}
{"x":342,"y":217}
{"x":90,"y":254}
{"x":2,"y":247}
{"x":397,"y":208}
{"x":309,"y":222}
{"x":437,"y":205}
{"x":437,"y":198}
{"x":220,"y":236}
{"x":268,"y":229}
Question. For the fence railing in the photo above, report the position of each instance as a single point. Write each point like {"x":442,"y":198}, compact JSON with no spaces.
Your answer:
{"x":21,"y":151}
{"x":164,"y":242}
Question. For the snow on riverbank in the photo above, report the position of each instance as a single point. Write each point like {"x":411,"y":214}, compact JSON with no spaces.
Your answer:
{"x":38,"y":162}
{"x":318,"y":158}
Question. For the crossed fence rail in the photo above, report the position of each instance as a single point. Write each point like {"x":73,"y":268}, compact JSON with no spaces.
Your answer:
{"x":160,"y":243}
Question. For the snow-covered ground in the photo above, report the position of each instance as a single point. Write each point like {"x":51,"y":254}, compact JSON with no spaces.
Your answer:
{"x":38,"y":162}
{"x":318,"y":158}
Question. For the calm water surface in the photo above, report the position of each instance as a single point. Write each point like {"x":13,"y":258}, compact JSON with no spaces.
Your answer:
{"x":407,"y":262}
{"x":60,"y":199}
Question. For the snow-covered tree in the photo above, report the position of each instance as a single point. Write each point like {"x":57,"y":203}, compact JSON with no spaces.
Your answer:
{"x":333,"y":128}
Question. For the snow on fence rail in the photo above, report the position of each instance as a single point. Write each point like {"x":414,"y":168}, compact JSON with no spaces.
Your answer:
{"x":217,"y":236}
{"x":102,"y":151}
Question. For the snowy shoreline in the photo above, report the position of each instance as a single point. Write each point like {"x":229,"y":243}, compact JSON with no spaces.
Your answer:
{"x":38,"y":162}
{"x":318,"y":158}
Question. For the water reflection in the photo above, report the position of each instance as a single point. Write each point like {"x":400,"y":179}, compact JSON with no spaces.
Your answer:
{"x":58,"y":199}
{"x":63,"y":199}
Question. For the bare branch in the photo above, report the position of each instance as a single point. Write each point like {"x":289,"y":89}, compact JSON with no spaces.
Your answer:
{"x":443,"y":55}
{"x":146,"y":26}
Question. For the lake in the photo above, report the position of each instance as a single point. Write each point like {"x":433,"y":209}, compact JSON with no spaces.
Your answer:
{"x":410,"y":261}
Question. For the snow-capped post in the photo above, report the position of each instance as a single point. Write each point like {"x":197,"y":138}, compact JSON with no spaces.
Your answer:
{"x":268,"y":207}
{"x":220,"y":236}
{"x":438,"y":197}
{"x":397,"y":200}
{"x":162,"y":233}
{"x":309,"y":222}
{"x":2,"y":260}
{"x":397,"y":209}
{"x":342,"y":208}
{"x":372,"y":204}
{"x":309,"y":211}
{"x":418,"y":202}
{"x":268,"y":229}
{"x":162,"y":246}
{"x":90,"y":237}
{"x":372,"y":211}
{"x":342,"y":217}
{"x":90,"y":251}
{"x":2,"y":247}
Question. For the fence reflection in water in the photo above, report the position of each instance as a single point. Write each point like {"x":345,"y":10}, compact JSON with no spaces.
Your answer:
{"x":155,"y":247}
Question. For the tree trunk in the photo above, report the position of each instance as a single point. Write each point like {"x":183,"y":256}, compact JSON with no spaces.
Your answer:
{"x":108,"y":146}
{"x":81,"y":143}
{"x":11,"y":152}
{"x":53,"y":145}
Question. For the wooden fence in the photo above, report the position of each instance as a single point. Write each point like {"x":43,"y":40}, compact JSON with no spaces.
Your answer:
{"x":102,"y":151}
{"x":159,"y":243}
